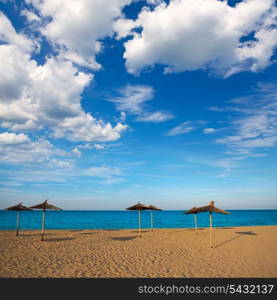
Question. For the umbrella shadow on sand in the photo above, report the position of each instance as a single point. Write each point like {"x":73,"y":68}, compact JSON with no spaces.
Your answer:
{"x":36,"y":234}
{"x":247,"y":232}
{"x":241,"y":233}
{"x":58,"y":239}
{"x":124,"y":238}
{"x":224,"y":227}
{"x":136,"y":231}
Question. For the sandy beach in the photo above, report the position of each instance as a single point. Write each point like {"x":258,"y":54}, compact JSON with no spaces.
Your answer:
{"x":238,"y":252}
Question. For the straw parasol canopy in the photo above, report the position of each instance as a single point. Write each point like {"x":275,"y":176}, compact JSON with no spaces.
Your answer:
{"x":138,"y":207}
{"x":211,"y":208}
{"x":151,"y":208}
{"x":18,"y":207}
{"x":194,"y":210}
{"x":44,"y":206}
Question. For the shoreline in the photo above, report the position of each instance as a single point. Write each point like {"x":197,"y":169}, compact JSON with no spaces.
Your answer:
{"x":243,"y":251}
{"x":135,"y":228}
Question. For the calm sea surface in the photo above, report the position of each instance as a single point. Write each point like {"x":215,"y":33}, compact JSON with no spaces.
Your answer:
{"x":69,"y":219}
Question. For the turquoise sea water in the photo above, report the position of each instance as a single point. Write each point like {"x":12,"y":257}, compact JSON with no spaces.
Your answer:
{"x":69,"y":219}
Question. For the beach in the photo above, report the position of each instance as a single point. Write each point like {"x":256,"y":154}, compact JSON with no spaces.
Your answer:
{"x":248,"y":251}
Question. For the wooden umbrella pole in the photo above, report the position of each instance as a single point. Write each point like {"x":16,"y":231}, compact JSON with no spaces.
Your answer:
{"x":17,"y":222}
{"x":139,"y":223}
{"x":43,"y":224}
{"x":211,"y":228}
{"x":195,"y":220}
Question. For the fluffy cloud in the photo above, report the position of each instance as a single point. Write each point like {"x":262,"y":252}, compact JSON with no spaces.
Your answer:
{"x":35,"y":97}
{"x":9,"y":35}
{"x":77,"y":150}
{"x":132,"y":99}
{"x":187,"y":35}
{"x":76,"y":27}
{"x":7,"y":138}
{"x":153,"y":2}
{"x":14,"y":60}
{"x":20,"y":149}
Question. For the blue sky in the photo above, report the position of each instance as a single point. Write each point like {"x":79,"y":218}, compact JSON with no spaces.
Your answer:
{"x":107,"y":103}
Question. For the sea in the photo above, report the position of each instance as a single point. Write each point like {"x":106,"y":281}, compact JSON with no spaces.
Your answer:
{"x":97,"y":219}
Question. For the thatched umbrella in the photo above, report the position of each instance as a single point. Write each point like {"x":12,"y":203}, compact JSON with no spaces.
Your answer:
{"x":44,"y":206}
{"x":151,"y":208}
{"x":211,"y":208}
{"x":18,"y":207}
{"x":138,"y":207}
{"x":194,"y":210}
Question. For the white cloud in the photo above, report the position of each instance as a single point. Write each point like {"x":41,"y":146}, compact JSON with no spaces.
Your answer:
{"x":7,"y":138}
{"x":30,"y":16}
{"x":123,"y":117}
{"x":92,"y":146}
{"x":76,"y":152}
{"x":99,"y":146}
{"x":76,"y":27}
{"x":255,"y":126}
{"x":35,"y":97}
{"x":209,"y":130}
{"x":86,"y":128}
{"x":154,"y":2}
{"x":108,"y":174}
{"x":9,"y":35}
{"x":253,"y":130}
{"x":188,"y":35}
{"x":103,"y":171}
{"x":123,"y":27}
{"x":20,"y":149}
{"x":111,"y":180}
{"x":132,"y":100}
{"x":259,"y":142}
{"x":15,"y":77}
{"x":185,"y":127}
{"x":156,"y":117}
{"x":60,"y":163}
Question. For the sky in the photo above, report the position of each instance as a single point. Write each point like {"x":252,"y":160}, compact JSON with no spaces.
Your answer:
{"x":106,"y":103}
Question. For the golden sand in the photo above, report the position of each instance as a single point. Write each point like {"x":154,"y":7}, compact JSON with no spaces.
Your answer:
{"x":237,"y":252}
